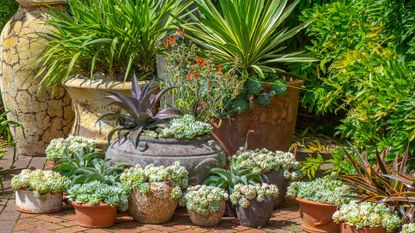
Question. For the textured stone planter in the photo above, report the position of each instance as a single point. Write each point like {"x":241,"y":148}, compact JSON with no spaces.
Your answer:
{"x":43,"y":116}
{"x":257,"y":214}
{"x":277,"y":178}
{"x":198,"y":155}
{"x":210,"y":220}
{"x":154,"y":207}
{"x":271,"y":127}
{"x":317,"y":217}
{"x":95,"y":216}
{"x":346,"y":228}
{"x":26,"y":202}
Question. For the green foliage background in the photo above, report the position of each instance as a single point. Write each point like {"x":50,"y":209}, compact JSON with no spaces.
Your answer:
{"x":7,"y":10}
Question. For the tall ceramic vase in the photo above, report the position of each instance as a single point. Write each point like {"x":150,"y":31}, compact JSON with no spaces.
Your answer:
{"x":42,"y":115}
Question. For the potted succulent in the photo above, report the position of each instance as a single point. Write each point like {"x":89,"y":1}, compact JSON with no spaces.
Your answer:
{"x":366,"y":217}
{"x":254,"y":203}
{"x":147,"y":135}
{"x":276,"y":168}
{"x":318,"y":200}
{"x":96,"y":203}
{"x":205,"y":204}
{"x":59,"y":147}
{"x":39,"y":191}
{"x":155,"y":191}
{"x":408,"y":228}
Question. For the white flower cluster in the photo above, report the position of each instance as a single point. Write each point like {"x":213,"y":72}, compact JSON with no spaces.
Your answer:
{"x":186,"y":127}
{"x":205,"y":200}
{"x":408,"y":228}
{"x":140,"y":178}
{"x":95,"y":193}
{"x":264,"y":161}
{"x":323,"y":190}
{"x":70,"y":145}
{"x":367,"y":214}
{"x":243,"y":194}
{"x":40,"y":182}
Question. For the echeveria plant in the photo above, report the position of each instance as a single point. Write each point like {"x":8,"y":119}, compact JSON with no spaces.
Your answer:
{"x":59,"y":147}
{"x":408,"y":228}
{"x":186,"y":127}
{"x":367,"y":214}
{"x":324,"y":190}
{"x":264,"y":161}
{"x":205,"y":200}
{"x":40,"y":182}
{"x":95,"y":193}
{"x":140,"y":178}
{"x":243,"y":194}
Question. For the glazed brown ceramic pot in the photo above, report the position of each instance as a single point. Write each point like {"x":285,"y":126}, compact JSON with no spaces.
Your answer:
{"x":257,"y":214}
{"x":346,"y":228}
{"x":95,"y":216}
{"x":317,"y":217}
{"x":270,"y":127}
{"x":210,"y":220}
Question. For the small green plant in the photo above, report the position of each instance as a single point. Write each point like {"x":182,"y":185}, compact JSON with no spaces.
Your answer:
{"x":243,"y":194}
{"x":205,"y":200}
{"x":6,"y":11}
{"x":186,"y":127}
{"x":40,"y":182}
{"x":367,"y":214}
{"x":63,"y":147}
{"x":408,"y":228}
{"x":95,"y":193}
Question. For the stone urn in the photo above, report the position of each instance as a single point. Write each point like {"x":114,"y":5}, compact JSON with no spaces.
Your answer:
{"x":42,"y":115}
{"x":198,"y":155}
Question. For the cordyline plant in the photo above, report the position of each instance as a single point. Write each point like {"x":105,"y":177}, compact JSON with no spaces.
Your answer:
{"x":141,"y":112}
{"x":390,"y":183}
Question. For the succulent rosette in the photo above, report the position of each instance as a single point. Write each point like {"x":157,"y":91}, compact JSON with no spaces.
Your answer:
{"x":59,"y":147}
{"x":243,"y":194}
{"x":408,"y":228}
{"x":205,"y":200}
{"x":186,"y":127}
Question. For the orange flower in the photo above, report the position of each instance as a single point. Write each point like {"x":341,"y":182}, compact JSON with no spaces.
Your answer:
{"x":220,"y":68}
{"x":189,"y":77}
{"x":180,"y":32}
{"x":200,"y":62}
{"x":196,"y":75}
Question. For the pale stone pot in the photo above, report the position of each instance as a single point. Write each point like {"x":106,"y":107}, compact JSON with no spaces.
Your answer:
{"x":26,"y":202}
{"x":43,"y":117}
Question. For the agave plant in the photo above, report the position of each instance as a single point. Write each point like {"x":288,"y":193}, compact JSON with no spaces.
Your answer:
{"x":391,"y":183}
{"x":141,"y":112}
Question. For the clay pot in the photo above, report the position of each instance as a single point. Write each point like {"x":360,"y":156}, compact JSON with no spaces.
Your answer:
{"x":154,"y":207}
{"x":198,"y":155}
{"x":26,"y":202}
{"x":270,"y":127}
{"x":317,"y":217}
{"x":277,"y":178}
{"x":43,"y":116}
{"x":95,"y":216}
{"x":210,"y":220}
{"x":257,"y":214}
{"x":346,"y":228}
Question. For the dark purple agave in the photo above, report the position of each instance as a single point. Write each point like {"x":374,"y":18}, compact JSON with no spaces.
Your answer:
{"x":140,"y":112}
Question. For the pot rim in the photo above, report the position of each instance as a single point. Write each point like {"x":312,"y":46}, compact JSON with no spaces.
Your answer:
{"x":300,"y":200}
{"x":204,"y":138}
{"x":77,"y":204}
{"x":31,"y":191}
{"x":35,"y":3}
{"x":101,"y":84}
{"x":374,"y":228}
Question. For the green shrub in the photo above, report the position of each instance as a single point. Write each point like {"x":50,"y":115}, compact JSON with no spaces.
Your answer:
{"x":7,"y":9}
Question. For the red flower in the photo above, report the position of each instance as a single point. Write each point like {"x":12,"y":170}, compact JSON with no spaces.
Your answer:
{"x":180,"y":32}
{"x":200,"y":62}
{"x":220,"y":68}
{"x":196,"y":75}
{"x":189,"y":77}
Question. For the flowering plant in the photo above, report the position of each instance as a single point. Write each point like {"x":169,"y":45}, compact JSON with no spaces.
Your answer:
{"x":408,"y":228}
{"x":243,"y":194}
{"x":323,"y":190}
{"x":59,"y":147}
{"x":264,"y":161}
{"x":205,"y":200}
{"x":95,"y":193}
{"x":140,"y":178}
{"x":367,"y":214}
{"x":40,"y":182}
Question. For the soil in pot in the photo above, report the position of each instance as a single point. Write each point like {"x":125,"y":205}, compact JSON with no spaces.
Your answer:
{"x":346,"y":228}
{"x":155,"y":207}
{"x":317,"y":217}
{"x":257,"y":214}
{"x":277,"y":178}
{"x":95,"y":216}
{"x":26,"y":202}
{"x":210,"y":220}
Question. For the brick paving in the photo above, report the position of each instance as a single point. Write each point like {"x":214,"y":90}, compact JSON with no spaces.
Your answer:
{"x":284,"y":220}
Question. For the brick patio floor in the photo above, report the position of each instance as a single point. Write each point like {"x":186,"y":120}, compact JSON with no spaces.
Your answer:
{"x":284,"y":220}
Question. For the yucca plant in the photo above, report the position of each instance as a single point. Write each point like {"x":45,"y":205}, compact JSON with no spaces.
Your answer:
{"x":140,"y":112}
{"x":246,"y":34}
{"x":110,"y":37}
{"x":390,"y":183}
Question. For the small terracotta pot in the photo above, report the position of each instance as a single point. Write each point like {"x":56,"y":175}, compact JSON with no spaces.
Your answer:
{"x":95,"y":216}
{"x":210,"y":220}
{"x":26,"y":202}
{"x":277,"y":178}
{"x":257,"y":214}
{"x":346,"y":228}
{"x":317,"y":217}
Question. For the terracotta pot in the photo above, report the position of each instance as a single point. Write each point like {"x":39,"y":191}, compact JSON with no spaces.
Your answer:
{"x":43,"y":116}
{"x":210,"y":220}
{"x":26,"y":202}
{"x":198,"y":155}
{"x":346,"y":228}
{"x":317,"y":217}
{"x":257,"y":214}
{"x":277,"y":178}
{"x":95,"y":216}
{"x":270,"y":127}
{"x":154,"y":207}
